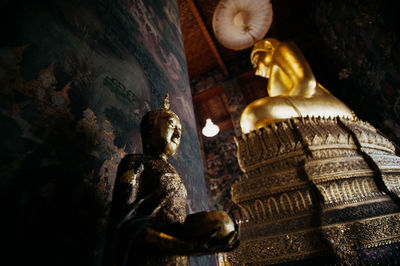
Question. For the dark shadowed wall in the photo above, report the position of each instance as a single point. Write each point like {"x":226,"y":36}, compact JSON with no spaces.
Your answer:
{"x":362,"y":45}
{"x":75,"y":79}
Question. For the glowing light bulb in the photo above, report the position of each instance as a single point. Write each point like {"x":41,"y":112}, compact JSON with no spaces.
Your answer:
{"x":210,"y":129}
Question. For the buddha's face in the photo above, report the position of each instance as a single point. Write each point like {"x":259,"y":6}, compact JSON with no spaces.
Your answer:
{"x":262,"y":57}
{"x":262,"y":63}
{"x":169,"y":133}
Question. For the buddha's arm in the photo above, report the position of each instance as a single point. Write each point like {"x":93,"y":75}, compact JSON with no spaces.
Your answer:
{"x":187,"y":246}
{"x":269,"y":110}
{"x":291,"y":75}
{"x":265,"y":111}
{"x":172,"y":244}
{"x":126,"y":189}
{"x":279,"y":83}
{"x":202,"y":233}
{"x":171,"y":235}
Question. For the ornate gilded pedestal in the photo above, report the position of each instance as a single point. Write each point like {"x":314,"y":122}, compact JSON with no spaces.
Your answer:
{"x":317,"y":187}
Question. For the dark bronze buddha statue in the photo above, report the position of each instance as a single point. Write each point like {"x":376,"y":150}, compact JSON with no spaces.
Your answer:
{"x":148,"y":224}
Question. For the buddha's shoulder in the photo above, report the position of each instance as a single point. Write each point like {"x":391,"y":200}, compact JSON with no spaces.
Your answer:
{"x":161,"y":166}
{"x":150,"y":163}
{"x":132,"y":159}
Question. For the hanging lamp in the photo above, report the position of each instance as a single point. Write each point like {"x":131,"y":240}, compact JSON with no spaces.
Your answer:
{"x":238,"y":24}
{"x":210,"y":129}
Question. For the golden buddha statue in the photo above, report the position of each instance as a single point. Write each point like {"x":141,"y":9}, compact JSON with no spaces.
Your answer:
{"x":319,"y":187}
{"x":292,"y":88}
{"x":148,"y":221}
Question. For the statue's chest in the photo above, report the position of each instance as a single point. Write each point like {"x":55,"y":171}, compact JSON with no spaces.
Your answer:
{"x":163,"y":176}
{"x":173,"y":185}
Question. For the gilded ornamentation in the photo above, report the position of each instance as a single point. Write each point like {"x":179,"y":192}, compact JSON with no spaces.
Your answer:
{"x":326,"y":165}
{"x":346,"y":238}
{"x":271,"y":207}
{"x":368,"y":136}
{"x":279,"y":248}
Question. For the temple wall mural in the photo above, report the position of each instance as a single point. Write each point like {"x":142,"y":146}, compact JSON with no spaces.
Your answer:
{"x":75,"y":79}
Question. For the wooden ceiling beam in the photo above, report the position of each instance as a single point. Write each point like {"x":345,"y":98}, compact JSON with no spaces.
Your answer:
{"x":207,"y":36}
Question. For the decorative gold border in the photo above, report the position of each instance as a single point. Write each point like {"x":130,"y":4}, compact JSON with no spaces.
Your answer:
{"x":299,"y":245}
{"x":348,"y":163}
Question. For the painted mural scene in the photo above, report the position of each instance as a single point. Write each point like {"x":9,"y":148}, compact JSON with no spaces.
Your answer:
{"x":200,"y":132}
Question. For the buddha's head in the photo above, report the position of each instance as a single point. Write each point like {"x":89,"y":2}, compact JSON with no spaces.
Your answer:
{"x":261,"y":56}
{"x":161,"y":131}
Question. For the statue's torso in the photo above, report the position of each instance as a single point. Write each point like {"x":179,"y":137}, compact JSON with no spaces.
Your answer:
{"x":160,"y":179}
{"x":161,"y":193}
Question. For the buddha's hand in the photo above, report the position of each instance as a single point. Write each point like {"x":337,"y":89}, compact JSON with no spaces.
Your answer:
{"x":224,"y":244}
{"x":211,"y":231}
